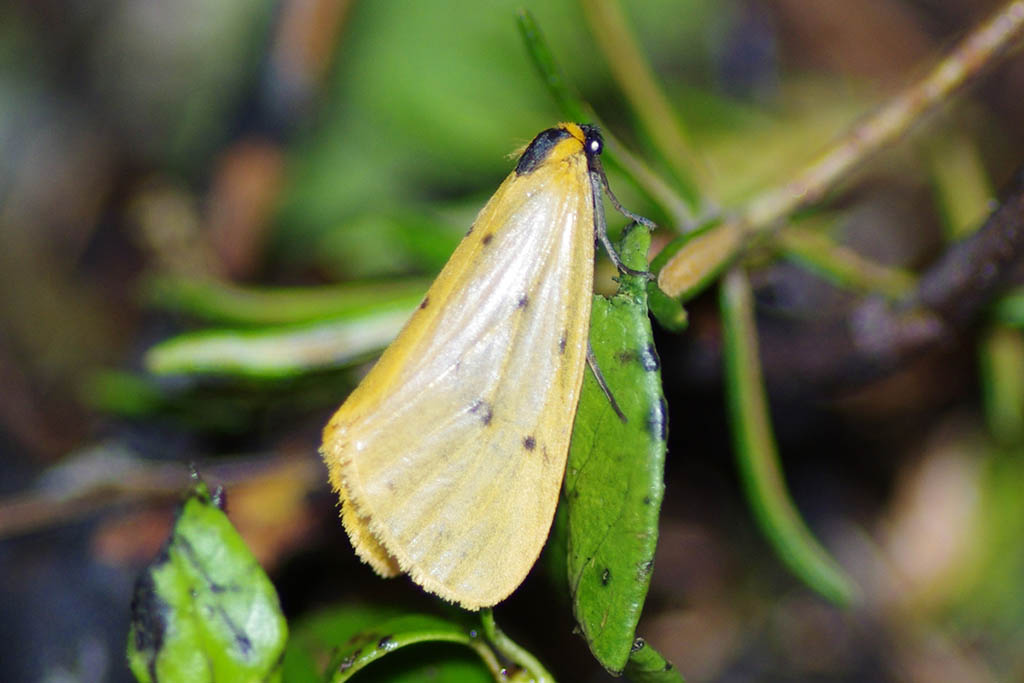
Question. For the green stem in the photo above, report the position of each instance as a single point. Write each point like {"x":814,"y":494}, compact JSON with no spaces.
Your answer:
{"x":757,"y":454}
{"x":512,"y":650}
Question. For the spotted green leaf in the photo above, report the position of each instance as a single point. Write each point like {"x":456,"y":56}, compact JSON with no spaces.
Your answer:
{"x":614,"y":478}
{"x":204,"y":610}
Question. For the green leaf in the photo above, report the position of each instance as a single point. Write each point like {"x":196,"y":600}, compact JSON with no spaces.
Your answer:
{"x":280,"y":352}
{"x":204,"y":610}
{"x":373,"y":643}
{"x":314,"y":638}
{"x":646,"y":665}
{"x":228,"y":304}
{"x":614,"y":478}
{"x":757,"y":455}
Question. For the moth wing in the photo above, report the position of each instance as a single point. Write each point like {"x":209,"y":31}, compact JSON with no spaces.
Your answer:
{"x":450,"y":454}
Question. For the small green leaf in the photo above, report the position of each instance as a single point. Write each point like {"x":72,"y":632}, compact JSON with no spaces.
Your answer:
{"x":204,"y":610}
{"x":669,"y":312}
{"x":614,"y":478}
{"x":373,"y":643}
{"x":646,"y":665}
{"x":314,"y":638}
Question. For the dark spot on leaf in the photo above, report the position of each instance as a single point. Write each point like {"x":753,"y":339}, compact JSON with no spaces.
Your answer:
{"x":529,"y":443}
{"x":425,"y":302}
{"x":606,"y":576}
{"x":657,"y":420}
{"x":562,"y":342}
{"x":482,"y":409}
{"x":643,"y":570}
{"x":385,"y":643}
{"x":243,"y":643}
{"x":625,"y":356}
{"x":638,"y":645}
{"x":149,"y":616}
{"x":487,"y":239}
{"x":649,"y":359}
{"x":346,"y":663}
{"x":647,"y":500}
{"x":523,"y":301}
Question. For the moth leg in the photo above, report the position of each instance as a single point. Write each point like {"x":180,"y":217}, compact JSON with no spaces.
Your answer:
{"x":592,"y":362}
{"x":597,"y":181}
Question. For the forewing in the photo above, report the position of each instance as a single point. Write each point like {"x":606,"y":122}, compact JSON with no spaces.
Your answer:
{"x":452,"y":449}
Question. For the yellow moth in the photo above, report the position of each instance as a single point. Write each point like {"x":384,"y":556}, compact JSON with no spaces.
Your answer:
{"x":449,"y":456}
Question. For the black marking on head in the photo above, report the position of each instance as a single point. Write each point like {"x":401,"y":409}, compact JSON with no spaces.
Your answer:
{"x":529,"y":443}
{"x":538,"y":150}
{"x":638,"y":645}
{"x":523,"y":301}
{"x":657,"y":420}
{"x":562,"y":342}
{"x":606,"y":576}
{"x":487,"y":239}
{"x":649,"y":359}
{"x":482,"y":409}
{"x":425,"y":302}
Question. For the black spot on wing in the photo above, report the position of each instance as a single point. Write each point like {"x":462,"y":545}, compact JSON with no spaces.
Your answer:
{"x":562,"y":342}
{"x":523,"y":301}
{"x":529,"y":443}
{"x":482,"y":409}
{"x":538,"y":150}
{"x":657,"y":420}
{"x":649,"y":359}
{"x":425,"y":302}
{"x":487,"y":239}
